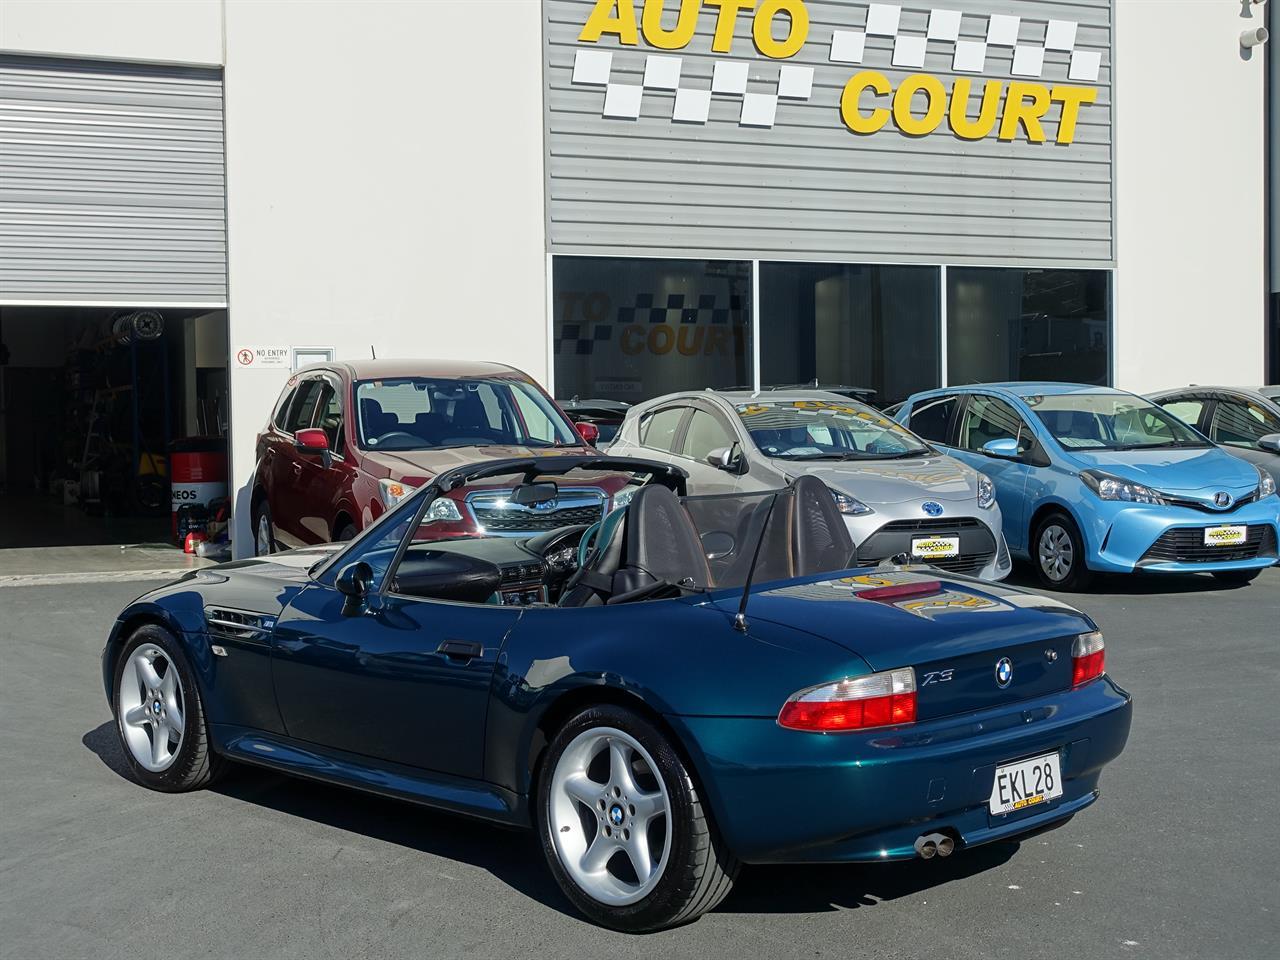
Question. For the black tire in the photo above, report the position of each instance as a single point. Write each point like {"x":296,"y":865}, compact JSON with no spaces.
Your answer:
{"x":1236,"y":578}
{"x":261,"y":513}
{"x":1077,"y":576}
{"x":700,"y":869}
{"x":195,"y":765}
{"x":346,"y":532}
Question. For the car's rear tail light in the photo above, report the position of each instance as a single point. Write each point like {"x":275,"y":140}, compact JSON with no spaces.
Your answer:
{"x":854,"y":703}
{"x":1087,"y":656}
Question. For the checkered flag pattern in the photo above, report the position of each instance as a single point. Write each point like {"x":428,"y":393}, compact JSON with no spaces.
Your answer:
{"x":581,"y":338}
{"x":968,"y":56}
{"x":622,"y":101}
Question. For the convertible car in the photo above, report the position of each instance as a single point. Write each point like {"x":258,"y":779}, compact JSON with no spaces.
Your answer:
{"x":689,"y":684}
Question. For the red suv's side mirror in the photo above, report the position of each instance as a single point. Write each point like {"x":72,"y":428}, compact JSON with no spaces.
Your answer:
{"x":589,"y":432}
{"x":311,"y":440}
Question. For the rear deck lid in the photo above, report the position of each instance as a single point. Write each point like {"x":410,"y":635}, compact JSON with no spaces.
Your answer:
{"x":973,"y":644}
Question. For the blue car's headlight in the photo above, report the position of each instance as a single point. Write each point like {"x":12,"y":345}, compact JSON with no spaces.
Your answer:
{"x":1108,"y":487}
{"x":1266,"y":483}
{"x":850,"y":506}
{"x":986,"y":492}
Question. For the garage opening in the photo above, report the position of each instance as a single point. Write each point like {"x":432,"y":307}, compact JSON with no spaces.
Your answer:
{"x":113,"y":425}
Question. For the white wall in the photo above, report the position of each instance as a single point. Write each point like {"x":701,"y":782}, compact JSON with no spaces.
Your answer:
{"x":384,"y":173}
{"x":173,"y":31}
{"x":1190,"y":211}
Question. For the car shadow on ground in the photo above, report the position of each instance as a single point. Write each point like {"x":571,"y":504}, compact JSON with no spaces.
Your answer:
{"x":1129,"y":584}
{"x":515,"y":858}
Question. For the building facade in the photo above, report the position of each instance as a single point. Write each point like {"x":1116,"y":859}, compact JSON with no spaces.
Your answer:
{"x":627,"y":197}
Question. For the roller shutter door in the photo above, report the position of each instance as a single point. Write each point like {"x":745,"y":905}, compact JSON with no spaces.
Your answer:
{"x":112,"y":188}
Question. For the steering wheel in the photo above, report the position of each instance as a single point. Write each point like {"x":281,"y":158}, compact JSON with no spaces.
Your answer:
{"x":559,"y":551}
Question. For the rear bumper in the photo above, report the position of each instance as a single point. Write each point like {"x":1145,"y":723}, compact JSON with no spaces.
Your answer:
{"x":1127,"y":537}
{"x":782,"y":796}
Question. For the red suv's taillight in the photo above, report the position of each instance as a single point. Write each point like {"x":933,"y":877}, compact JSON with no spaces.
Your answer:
{"x":1087,"y":656}
{"x":854,"y":703}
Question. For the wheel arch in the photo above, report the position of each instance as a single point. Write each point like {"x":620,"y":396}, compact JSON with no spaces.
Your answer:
{"x":573,"y":700}
{"x":128,"y":623}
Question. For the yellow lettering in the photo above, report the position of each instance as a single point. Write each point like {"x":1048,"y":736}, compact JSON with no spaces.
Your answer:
{"x":632,"y":339}
{"x":1071,"y":99}
{"x":659,"y":36}
{"x":854,"y":118}
{"x":797,"y":29}
{"x":727,"y":21}
{"x":959,"y":113}
{"x":935,"y":110}
{"x":661,"y":339}
{"x":1018,"y":111}
{"x":602,"y":21}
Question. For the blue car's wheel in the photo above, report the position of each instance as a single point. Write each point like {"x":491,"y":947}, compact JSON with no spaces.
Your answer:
{"x":622,"y":825}
{"x":1058,"y":552}
{"x":159,"y":714}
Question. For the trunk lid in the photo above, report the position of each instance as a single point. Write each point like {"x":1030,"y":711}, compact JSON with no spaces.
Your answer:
{"x":954,"y":631}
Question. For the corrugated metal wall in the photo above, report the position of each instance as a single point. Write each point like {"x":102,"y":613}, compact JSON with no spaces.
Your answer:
{"x":807,"y":188}
{"x":111,"y":184}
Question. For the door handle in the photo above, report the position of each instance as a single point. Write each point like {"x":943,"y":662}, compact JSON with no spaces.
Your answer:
{"x":460,"y":649}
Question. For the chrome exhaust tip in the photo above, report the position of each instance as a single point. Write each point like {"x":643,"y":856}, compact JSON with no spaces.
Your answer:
{"x":946,"y":846}
{"x":926,"y":847}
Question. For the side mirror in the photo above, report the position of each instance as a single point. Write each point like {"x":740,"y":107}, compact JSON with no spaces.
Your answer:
{"x":1005,"y":448}
{"x":354,"y":582}
{"x":1270,"y":442}
{"x":722,"y":458}
{"x":589,"y":433}
{"x":313,"y":442}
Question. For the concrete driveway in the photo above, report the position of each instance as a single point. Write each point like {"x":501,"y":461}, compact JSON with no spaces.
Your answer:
{"x":1177,"y":860}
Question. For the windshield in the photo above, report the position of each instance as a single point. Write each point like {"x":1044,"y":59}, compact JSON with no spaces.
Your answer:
{"x":826,"y":430}
{"x":419,"y":413}
{"x":1112,"y":422}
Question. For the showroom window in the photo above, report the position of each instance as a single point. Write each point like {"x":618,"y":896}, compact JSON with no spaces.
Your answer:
{"x":629,"y":329}
{"x":1013,"y":324}
{"x":853,"y":325}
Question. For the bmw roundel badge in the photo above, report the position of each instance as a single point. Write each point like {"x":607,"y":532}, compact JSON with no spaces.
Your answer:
{"x":1004,"y":672}
{"x":931,"y":508}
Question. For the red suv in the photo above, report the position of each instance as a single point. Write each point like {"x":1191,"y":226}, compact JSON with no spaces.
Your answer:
{"x":348,"y":440}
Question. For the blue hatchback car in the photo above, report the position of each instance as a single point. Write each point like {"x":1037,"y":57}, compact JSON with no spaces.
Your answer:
{"x":1093,"y":479}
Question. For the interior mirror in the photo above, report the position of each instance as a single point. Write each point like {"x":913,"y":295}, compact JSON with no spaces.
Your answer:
{"x":1270,"y":442}
{"x":589,"y":433}
{"x":722,"y":458}
{"x":1006,"y":448}
{"x":354,"y":582}
{"x":532,"y":494}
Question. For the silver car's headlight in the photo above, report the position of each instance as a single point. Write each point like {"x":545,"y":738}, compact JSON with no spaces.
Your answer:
{"x":1266,"y":483}
{"x":986,"y":492}
{"x":850,"y":506}
{"x":1108,"y":487}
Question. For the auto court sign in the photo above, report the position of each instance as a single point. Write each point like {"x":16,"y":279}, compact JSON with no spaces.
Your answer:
{"x":974,"y":105}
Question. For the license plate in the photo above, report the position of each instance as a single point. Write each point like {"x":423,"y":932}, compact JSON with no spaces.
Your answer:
{"x":1225,"y":536}
{"x":935,"y":548}
{"x":1025,"y":783}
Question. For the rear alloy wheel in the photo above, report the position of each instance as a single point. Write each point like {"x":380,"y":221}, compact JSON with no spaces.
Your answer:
{"x":1058,"y":552}
{"x":264,"y":543}
{"x":159,"y":714}
{"x":623,"y":827}
{"x":1236,"y":577}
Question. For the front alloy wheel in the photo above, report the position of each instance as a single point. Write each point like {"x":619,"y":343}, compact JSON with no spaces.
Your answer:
{"x":623,"y":827}
{"x":1059,"y":554}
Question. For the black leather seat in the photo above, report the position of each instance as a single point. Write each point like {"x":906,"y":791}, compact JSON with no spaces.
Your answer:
{"x":656,"y":541}
{"x":820,"y":539}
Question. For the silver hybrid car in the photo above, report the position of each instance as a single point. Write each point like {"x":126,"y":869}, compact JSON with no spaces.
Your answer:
{"x":898,"y":495}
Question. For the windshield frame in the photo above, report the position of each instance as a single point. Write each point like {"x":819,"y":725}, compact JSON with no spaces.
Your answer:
{"x":1194,"y":439}
{"x":504,"y":387}
{"x":870,"y":415}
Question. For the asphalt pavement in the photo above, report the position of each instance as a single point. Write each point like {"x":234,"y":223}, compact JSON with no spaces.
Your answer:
{"x":1179,"y":859}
